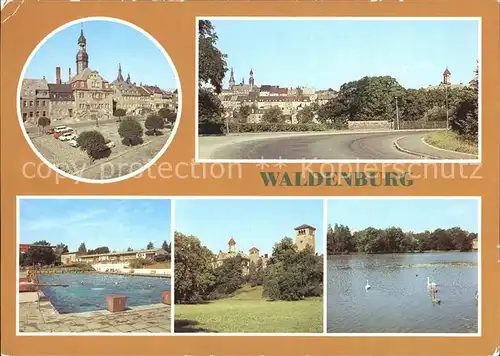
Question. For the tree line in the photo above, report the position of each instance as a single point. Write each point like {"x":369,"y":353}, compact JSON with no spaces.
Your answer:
{"x":288,"y":274}
{"x":366,"y":99}
{"x":340,"y":240}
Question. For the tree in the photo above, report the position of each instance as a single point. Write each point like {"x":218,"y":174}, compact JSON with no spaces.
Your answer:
{"x":273,"y":115}
{"x":167,"y":114}
{"x":82,"y":248}
{"x":150,"y":246}
{"x":228,"y":277}
{"x":40,"y":253}
{"x":256,"y":273}
{"x":306,"y":115}
{"x":155,"y":123}
{"x":211,"y":61}
{"x":242,"y":113}
{"x":129,"y":249}
{"x":61,"y":248}
{"x":166,"y":246}
{"x":43,"y":122}
{"x":194,"y":277}
{"x":333,"y":113}
{"x":130,"y":130}
{"x":339,"y":240}
{"x":93,"y":143}
{"x":119,"y":113}
{"x":99,"y":250}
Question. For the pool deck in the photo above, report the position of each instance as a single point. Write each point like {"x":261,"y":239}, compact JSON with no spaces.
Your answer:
{"x":154,"y":318}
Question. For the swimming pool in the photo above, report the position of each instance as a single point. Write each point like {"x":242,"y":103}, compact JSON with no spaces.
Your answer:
{"x":88,"y":291}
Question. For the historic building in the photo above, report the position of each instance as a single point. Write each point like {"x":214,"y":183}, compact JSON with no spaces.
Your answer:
{"x":446,"y":82}
{"x":305,"y":235}
{"x":87,"y":95}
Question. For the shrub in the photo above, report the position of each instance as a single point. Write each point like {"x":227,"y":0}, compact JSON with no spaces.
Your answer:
{"x":130,"y":130}
{"x":275,"y":127}
{"x":168,"y":114}
{"x":140,"y":262}
{"x":43,"y":122}
{"x":94,"y":144}
{"x":119,"y":113}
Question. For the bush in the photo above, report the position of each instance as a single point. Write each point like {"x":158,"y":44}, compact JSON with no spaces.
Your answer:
{"x":436,"y":113}
{"x":211,"y":128}
{"x":119,"y":113}
{"x":43,"y":121}
{"x":94,"y":144}
{"x":274,"y":127}
{"x":140,"y":263}
{"x":130,"y":130}
{"x":228,"y":278}
{"x":167,"y":114}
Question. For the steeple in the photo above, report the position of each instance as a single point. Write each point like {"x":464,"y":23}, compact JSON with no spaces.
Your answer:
{"x":232,"y":82}
{"x":82,"y":58}
{"x":447,"y":76}
{"x":119,"y":77}
{"x":128,"y":78}
{"x":232,"y":244}
{"x":251,"y":80}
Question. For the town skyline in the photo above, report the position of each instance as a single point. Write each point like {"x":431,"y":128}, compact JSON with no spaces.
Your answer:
{"x":108,"y":46}
{"x":115,"y":223}
{"x":415,"y":52}
{"x":415,"y":215}
{"x":215,"y":221}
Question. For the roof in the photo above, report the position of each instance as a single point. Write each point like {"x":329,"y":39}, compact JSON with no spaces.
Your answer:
{"x":446,"y":71}
{"x":231,"y":241}
{"x":254,"y":249}
{"x":60,"y":92}
{"x":305,"y":226}
{"x":126,"y":252}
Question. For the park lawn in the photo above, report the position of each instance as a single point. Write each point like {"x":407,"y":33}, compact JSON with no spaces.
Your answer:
{"x":247,"y":311}
{"x":449,"y":140}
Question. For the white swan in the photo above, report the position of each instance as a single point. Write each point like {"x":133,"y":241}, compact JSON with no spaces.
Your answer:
{"x":430,"y":284}
{"x":367,"y":285}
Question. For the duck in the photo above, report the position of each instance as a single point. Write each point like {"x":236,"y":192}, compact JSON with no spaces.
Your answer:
{"x":367,"y":285}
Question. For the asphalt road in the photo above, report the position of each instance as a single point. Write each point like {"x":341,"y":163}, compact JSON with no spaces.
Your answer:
{"x":367,"y":145}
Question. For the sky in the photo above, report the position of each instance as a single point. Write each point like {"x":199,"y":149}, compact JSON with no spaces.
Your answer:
{"x":115,"y":223}
{"x":325,"y":54}
{"x":415,"y":215}
{"x":252,"y":222}
{"x":108,"y":44}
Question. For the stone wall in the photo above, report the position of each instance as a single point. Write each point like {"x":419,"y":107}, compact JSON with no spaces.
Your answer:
{"x":369,"y":125}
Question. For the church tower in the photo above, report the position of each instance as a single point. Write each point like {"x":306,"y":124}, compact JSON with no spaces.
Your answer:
{"x":251,"y":80}
{"x":447,"y":76}
{"x":232,"y":245}
{"x":119,"y":77}
{"x":232,"y":82}
{"x":305,"y":235}
{"x":82,"y":58}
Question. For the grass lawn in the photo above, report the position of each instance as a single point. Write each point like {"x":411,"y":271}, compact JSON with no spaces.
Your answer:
{"x":247,"y":311}
{"x":449,"y":140}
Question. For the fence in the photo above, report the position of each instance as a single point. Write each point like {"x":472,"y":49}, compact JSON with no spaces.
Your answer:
{"x":413,"y":125}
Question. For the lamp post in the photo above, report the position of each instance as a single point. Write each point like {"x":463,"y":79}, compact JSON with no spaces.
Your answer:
{"x":397,"y":114}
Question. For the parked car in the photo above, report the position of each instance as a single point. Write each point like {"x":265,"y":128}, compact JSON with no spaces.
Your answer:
{"x":73,"y":143}
{"x":109,"y":143}
{"x":58,"y":134}
{"x":60,"y":128}
{"x":49,"y":131}
{"x":68,"y":136}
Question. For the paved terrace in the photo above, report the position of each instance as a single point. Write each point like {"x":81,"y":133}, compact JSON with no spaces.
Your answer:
{"x":153,"y":318}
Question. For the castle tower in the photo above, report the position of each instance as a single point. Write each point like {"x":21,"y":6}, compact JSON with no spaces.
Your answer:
{"x":119,"y":77}
{"x":305,"y":235}
{"x":232,"y":82}
{"x":447,"y":76}
{"x":82,"y":58}
{"x":251,"y":80}
{"x":232,"y":245}
{"x":254,"y":254}
{"x":128,"y":78}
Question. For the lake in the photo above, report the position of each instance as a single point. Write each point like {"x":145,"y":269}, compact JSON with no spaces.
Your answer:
{"x":88,"y":291}
{"x":399,"y":299}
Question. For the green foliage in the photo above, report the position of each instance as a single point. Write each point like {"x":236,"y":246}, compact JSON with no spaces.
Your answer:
{"x":119,"y":113}
{"x":150,"y":246}
{"x":293,"y":275}
{"x":256,"y":273}
{"x":194,"y":274}
{"x":43,"y":122}
{"x":395,"y":240}
{"x":154,"y":124}
{"x":333,"y":113}
{"x":99,"y":250}
{"x":436,"y":113}
{"x":82,"y":248}
{"x":130,"y":130}
{"x":228,"y":277}
{"x":273,"y":115}
{"x":211,"y":61}
{"x":41,"y":254}
{"x":93,"y":143}
{"x":306,"y":114}
{"x":140,"y":263}
{"x":241,"y":114}
{"x":280,"y":127}
{"x":166,"y":246}
{"x":129,"y":249}
{"x":210,"y":111}
{"x":167,"y":114}
{"x":465,"y":119}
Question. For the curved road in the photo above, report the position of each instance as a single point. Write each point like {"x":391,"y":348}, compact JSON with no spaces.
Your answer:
{"x":366,"y":145}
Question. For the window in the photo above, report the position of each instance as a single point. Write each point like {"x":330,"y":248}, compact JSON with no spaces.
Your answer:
{"x":37,"y":113}
{"x":44,"y":113}
{"x":31,"y":103}
{"x":25,"y":104}
{"x":36,"y":103}
{"x":25,"y":116}
{"x":43,"y":103}
{"x":31,"y":113}
{"x":70,"y":112}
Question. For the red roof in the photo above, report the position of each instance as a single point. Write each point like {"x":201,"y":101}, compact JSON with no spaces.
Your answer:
{"x":231,"y":241}
{"x":446,"y":72}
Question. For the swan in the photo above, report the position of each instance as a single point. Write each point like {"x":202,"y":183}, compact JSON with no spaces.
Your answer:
{"x":367,"y":285}
{"x":430,"y":284}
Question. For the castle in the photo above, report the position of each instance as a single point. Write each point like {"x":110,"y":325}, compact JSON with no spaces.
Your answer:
{"x":87,"y":95}
{"x":305,"y":235}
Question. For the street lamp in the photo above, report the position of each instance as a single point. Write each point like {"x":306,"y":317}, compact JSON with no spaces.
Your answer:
{"x":397,"y":114}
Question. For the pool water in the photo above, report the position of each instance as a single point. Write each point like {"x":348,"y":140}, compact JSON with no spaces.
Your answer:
{"x":88,"y":291}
